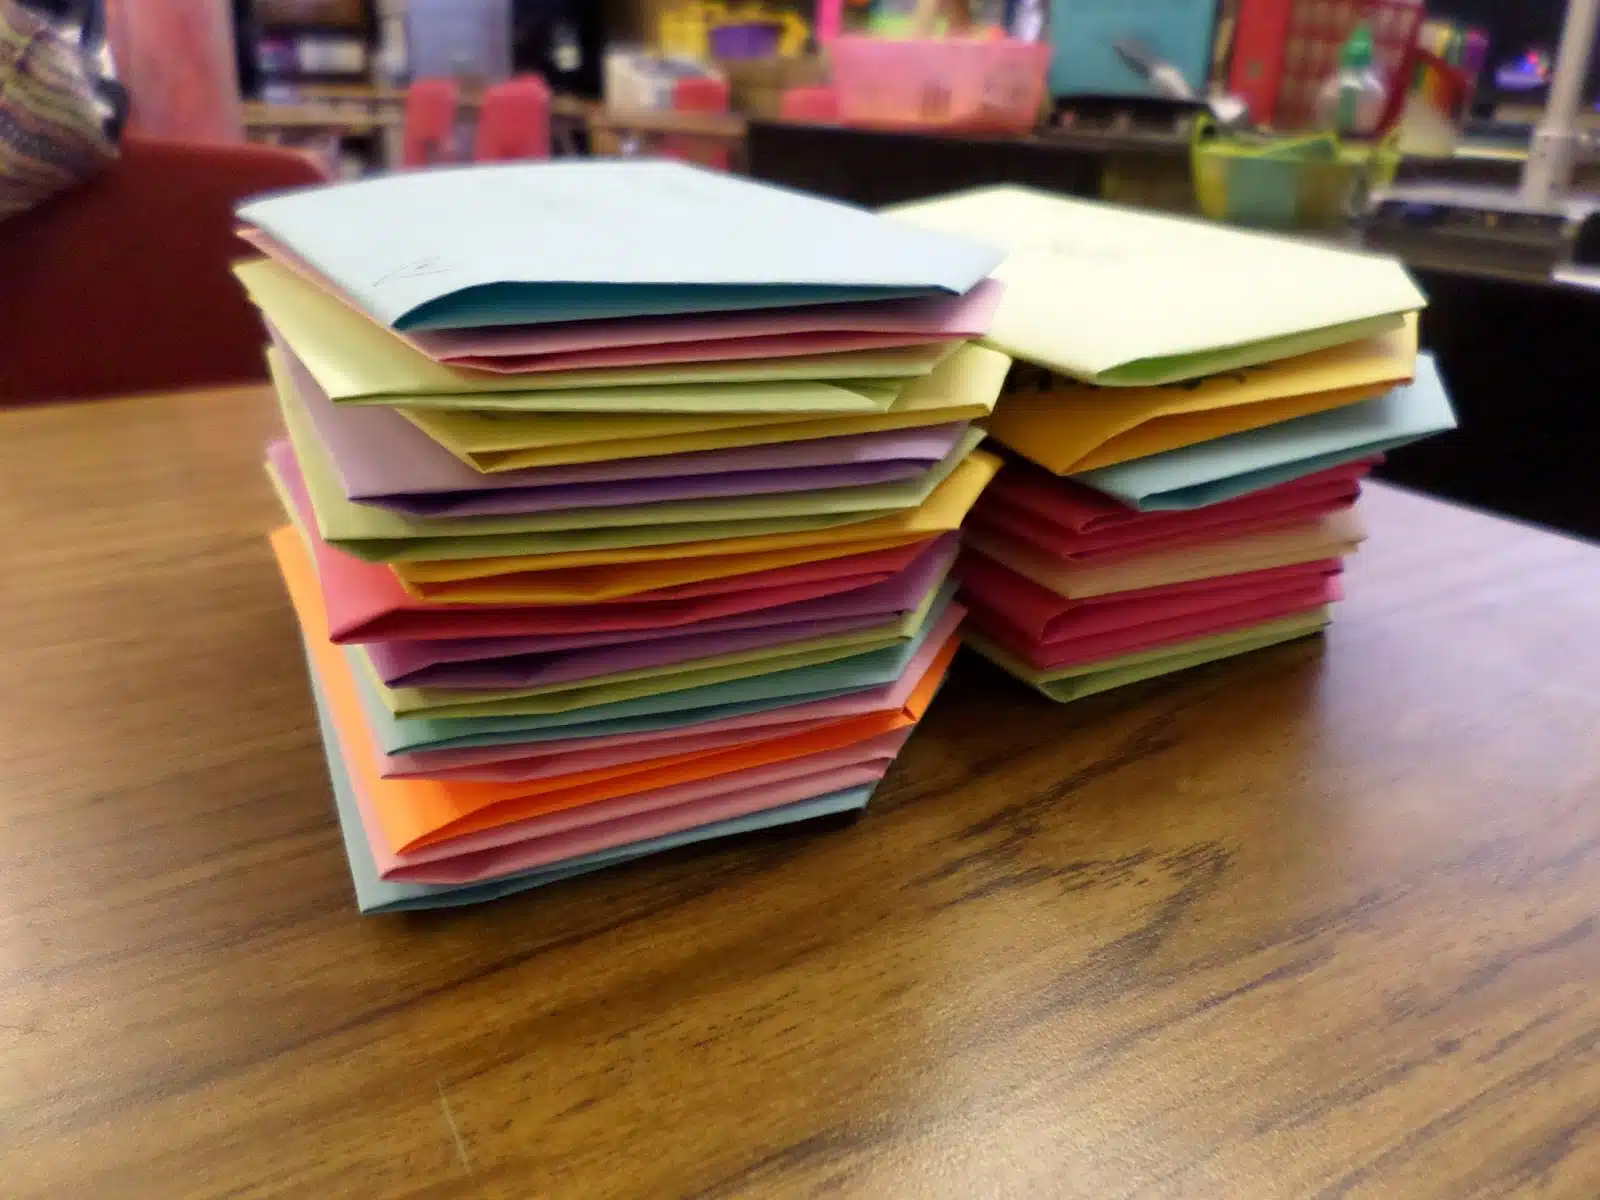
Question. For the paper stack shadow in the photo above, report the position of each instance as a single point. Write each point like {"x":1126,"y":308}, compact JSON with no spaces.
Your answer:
{"x":623,"y":502}
{"x":1187,"y":425}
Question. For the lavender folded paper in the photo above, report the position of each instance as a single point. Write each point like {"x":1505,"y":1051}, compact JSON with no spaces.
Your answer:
{"x":382,"y":459}
{"x":492,"y":661}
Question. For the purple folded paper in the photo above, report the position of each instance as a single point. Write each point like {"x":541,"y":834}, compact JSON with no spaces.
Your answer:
{"x":464,"y":662}
{"x":383,"y":459}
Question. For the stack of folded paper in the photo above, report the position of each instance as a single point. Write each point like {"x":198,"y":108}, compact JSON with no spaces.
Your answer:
{"x":1191,"y":415}
{"x":623,"y":499}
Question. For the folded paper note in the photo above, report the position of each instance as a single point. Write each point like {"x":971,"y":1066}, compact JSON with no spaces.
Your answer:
{"x":381,"y":458}
{"x":1109,"y":630}
{"x":413,"y":814}
{"x":1067,"y":426}
{"x":1034,"y":616}
{"x":555,"y":692}
{"x":356,"y":361}
{"x":368,"y":602}
{"x":1248,"y":462}
{"x":1088,"y":679}
{"x":523,"y":243}
{"x":1122,"y":297}
{"x":637,"y":740}
{"x":1337,"y":535}
{"x":375,"y":895}
{"x":963,"y":387}
{"x":777,"y":332}
{"x":1071,"y":523}
{"x":617,"y":533}
{"x":678,"y":561}
{"x":439,"y":663}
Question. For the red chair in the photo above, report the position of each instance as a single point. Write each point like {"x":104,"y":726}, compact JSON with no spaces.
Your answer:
{"x":430,"y":128}
{"x":819,"y":104}
{"x":121,"y":285}
{"x":698,"y":94}
{"x":514,"y":122}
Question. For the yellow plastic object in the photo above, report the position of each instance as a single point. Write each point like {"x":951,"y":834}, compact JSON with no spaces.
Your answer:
{"x":684,"y":31}
{"x":1300,"y":182}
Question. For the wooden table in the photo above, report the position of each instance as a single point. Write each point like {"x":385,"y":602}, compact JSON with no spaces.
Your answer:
{"x":1317,"y":923}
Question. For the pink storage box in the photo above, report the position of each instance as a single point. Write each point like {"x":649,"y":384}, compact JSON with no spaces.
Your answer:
{"x":949,"y":83}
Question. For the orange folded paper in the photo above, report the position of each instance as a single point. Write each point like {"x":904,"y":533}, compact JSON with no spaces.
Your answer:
{"x":415,"y":813}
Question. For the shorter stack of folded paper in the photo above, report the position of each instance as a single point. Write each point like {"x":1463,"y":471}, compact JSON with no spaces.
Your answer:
{"x":1190,"y":417}
{"x":601,"y":546}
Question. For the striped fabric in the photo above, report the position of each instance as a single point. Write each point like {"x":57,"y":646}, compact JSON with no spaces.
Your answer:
{"x":60,"y":106}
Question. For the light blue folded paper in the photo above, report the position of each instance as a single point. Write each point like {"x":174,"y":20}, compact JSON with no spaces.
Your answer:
{"x":669,"y":710}
{"x":375,"y":895}
{"x":524,"y":243}
{"x":1228,"y":467}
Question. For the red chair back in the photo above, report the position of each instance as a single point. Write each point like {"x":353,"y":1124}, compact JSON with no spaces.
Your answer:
{"x":121,"y":285}
{"x":704,"y":95}
{"x":809,"y":104}
{"x":514,"y":122}
{"x":430,"y":122}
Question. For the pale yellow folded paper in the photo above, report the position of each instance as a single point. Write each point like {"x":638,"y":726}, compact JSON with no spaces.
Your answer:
{"x":1128,"y":298}
{"x":1333,"y":536}
{"x":651,"y":681}
{"x":940,"y":513}
{"x":354,"y":359}
{"x":1066,"y":426}
{"x":963,"y":387}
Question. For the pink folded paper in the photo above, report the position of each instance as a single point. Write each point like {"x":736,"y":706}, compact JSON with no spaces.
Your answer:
{"x":642,"y":341}
{"x":502,"y":661}
{"x":587,"y":828}
{"x":1072,"y":523}
{"x":1111,"y":635}
{"x":507,"y":763}
{"x":366,"y":603}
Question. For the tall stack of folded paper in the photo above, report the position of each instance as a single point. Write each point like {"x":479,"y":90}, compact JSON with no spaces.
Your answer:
{"x":1191,"y":415}
{"x":623,"y":497}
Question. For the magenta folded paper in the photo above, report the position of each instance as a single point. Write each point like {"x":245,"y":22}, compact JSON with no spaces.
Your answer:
{"x":383,"y":459}
{"x":472,"y":662}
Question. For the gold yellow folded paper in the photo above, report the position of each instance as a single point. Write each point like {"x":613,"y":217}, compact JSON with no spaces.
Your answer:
{"x":1066,"y":426}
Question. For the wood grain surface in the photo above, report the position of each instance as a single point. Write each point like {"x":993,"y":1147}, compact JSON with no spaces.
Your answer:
{"x":1316,"y":923}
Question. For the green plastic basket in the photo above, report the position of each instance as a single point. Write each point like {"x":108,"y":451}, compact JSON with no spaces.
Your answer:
{"x":1306,"y":182}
